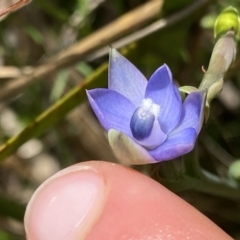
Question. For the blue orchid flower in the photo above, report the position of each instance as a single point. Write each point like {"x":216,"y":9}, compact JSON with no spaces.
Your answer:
{"x":146,"y":121}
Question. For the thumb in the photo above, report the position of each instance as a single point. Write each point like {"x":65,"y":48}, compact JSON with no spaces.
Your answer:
{"x":100,"y":200}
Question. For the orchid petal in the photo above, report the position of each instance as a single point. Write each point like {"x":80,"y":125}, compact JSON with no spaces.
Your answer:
{"x":125,"y":78}
{"x":176,"y":145}
{"x":163,"y":92}
{"x":112,"y":109}
{"x":193,"y":112}
{"x":128,"y":151}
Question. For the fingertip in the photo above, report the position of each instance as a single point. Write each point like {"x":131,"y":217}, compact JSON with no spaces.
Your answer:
{"x":100,"y":200}
{"x":66,"y":205}
{"x":137,"y":207}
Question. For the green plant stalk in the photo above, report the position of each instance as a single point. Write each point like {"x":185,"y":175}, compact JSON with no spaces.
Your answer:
{"x":191,"y":163}
{"x":197,"y":179}
{"x":210,"y":184}
{"x":57,"y":111}
{"x":223,"y":55}
{"x":218,"y":186}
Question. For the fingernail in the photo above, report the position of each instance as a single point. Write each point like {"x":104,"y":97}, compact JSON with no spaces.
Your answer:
{"x":66,"y":206}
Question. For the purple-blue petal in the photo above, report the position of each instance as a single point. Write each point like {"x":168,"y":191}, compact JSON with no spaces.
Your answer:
{"x":112,"y":109}
{"x":193,"y":111}
{"x":163,"y":92}
{"x":175,"y":146}
{"x":125,"y":78}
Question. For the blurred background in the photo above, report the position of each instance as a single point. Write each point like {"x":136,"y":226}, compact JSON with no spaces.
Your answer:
{"x":44,"y":54}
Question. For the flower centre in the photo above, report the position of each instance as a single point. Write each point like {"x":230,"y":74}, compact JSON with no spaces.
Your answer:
{"x":144,"y":124}
{"x":143,"y":119}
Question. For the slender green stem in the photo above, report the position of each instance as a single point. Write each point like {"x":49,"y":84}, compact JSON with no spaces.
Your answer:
{"x":210,"y":184}
{"x":191,"y":163}
{"x":54,"y":113}
{"x":195,"y":178}
{"x":200,"y":180}
{"x":216,"y":186}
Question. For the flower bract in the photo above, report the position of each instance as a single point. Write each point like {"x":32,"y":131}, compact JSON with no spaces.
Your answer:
{"x":146,"y":121}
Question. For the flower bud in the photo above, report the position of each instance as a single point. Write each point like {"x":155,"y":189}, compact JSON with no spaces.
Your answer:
{"x":223,"y":55}
{"x":227,"y":20}
{"x":234,"y":171}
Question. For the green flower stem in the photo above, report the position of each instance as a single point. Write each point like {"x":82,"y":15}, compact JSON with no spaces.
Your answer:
{"x":223,"y":55}
{"x":203,"y":181}
{"x":195,"y":178}
{"x":191,"y":164}
{"x":210,"y":184}
{"x":217,"y":186}
{"x":169,"y":170}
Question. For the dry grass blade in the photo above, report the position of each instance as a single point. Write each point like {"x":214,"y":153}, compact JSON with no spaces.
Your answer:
{"x":8,"y":72}
{"x":14,"y":7}
{"x":155,"y":26}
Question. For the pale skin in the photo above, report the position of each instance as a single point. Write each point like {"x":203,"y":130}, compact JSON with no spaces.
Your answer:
{"x":99,"y":200}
